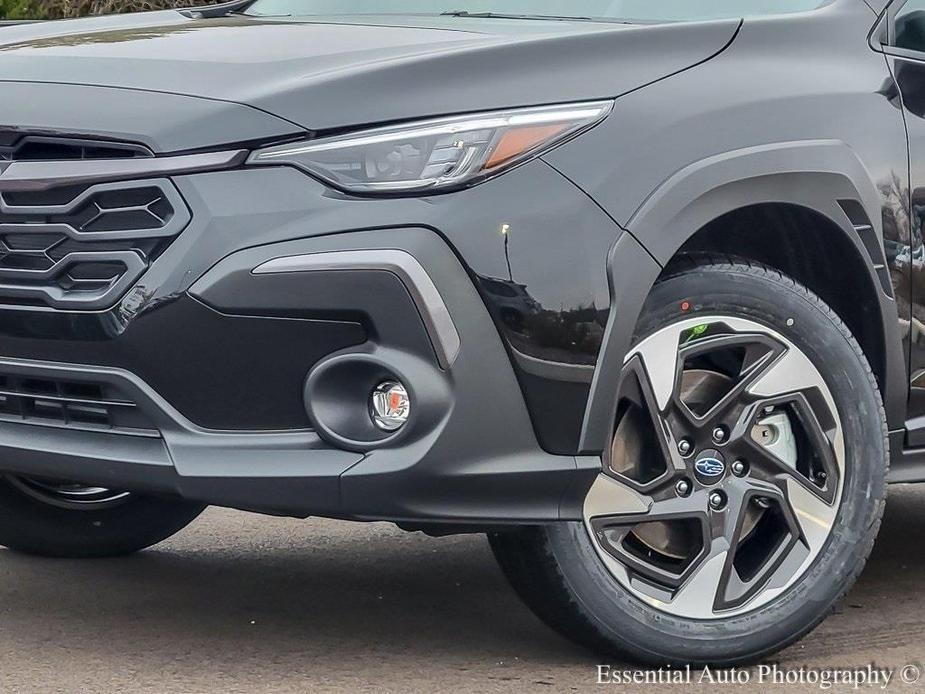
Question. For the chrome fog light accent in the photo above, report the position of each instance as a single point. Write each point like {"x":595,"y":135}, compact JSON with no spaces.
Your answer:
{"x":390,"y":406}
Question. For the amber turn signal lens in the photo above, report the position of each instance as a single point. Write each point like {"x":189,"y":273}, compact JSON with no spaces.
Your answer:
{"x":522,"y":140}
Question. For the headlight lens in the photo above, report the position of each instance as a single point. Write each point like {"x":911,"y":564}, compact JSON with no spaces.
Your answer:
{"x":436,"y":154}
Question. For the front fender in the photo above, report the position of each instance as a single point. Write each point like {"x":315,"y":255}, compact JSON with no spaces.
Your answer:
{"x":819,"y":175}
{"x":814,"y":174}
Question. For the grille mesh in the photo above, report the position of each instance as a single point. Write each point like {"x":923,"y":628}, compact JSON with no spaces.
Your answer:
{"x":82,"y":248}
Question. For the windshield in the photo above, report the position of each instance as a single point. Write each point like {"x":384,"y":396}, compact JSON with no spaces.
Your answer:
{"x":613,"y":10}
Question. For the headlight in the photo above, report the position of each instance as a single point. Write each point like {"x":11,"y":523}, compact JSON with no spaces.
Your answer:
{"x":436,"y":154}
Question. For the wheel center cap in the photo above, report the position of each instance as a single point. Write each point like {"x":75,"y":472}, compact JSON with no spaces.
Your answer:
{"x":709,"y":466}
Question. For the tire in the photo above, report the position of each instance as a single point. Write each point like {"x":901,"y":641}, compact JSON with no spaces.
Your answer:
{"x":590,"y":581}
{"x":36,"y":520}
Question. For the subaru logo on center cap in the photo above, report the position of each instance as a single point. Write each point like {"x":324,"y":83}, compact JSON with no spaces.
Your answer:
{"x":710,"y":465}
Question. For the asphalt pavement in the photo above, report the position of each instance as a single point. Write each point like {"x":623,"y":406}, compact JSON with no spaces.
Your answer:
{"x":243,"y":603}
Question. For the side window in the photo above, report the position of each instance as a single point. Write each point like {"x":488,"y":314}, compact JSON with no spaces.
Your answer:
{"x":909,"y":26}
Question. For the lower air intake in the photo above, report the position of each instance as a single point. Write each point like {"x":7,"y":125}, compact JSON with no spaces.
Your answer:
{"x":87,"y":406}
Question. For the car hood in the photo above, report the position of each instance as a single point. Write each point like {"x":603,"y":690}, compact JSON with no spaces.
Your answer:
{"x":332,"y":73}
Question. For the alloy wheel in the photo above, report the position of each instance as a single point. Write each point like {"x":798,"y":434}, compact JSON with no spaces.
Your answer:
{"x":726,"y":470}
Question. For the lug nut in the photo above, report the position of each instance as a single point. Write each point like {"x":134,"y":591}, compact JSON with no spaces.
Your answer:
{"x":719,"y":434}
{"x":685,"y":447}
{"x":717,"y":500}
{"x":683,"y":487}
{"x":739,"y":468}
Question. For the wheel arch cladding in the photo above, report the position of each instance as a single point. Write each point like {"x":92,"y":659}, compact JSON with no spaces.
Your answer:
{"x":822,"y":179}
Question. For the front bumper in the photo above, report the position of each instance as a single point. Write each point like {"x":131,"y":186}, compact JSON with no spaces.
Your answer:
{"x":249,"y":347}
{"x":469,"y":456}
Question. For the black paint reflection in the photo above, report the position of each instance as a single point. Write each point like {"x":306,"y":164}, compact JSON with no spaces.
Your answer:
{"x":566,"y":336}
{"x":906,"y":255}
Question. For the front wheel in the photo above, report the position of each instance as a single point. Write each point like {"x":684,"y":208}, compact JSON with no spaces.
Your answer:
{"x":743,"y":489}
{"x":62,"y":519}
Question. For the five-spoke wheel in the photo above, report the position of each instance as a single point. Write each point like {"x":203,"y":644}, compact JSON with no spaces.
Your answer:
{"x":723,"y":480}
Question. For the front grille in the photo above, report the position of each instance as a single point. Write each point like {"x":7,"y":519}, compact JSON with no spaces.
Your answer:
{"x":17,"y":146}
{"x":83,"y":247}
{"x":71,"y":404}
{"x":79,"y":247}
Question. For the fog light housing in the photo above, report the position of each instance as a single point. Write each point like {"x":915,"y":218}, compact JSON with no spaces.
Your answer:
{"x":390,"y":406}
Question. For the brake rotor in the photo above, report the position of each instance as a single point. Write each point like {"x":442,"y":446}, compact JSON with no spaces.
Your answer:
{"x":701,"y":389}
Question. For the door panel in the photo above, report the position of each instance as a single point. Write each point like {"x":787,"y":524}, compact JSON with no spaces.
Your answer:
{"x":905,"y":34}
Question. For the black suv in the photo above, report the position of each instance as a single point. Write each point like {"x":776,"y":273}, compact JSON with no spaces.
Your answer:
{"x":637,"y":288}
